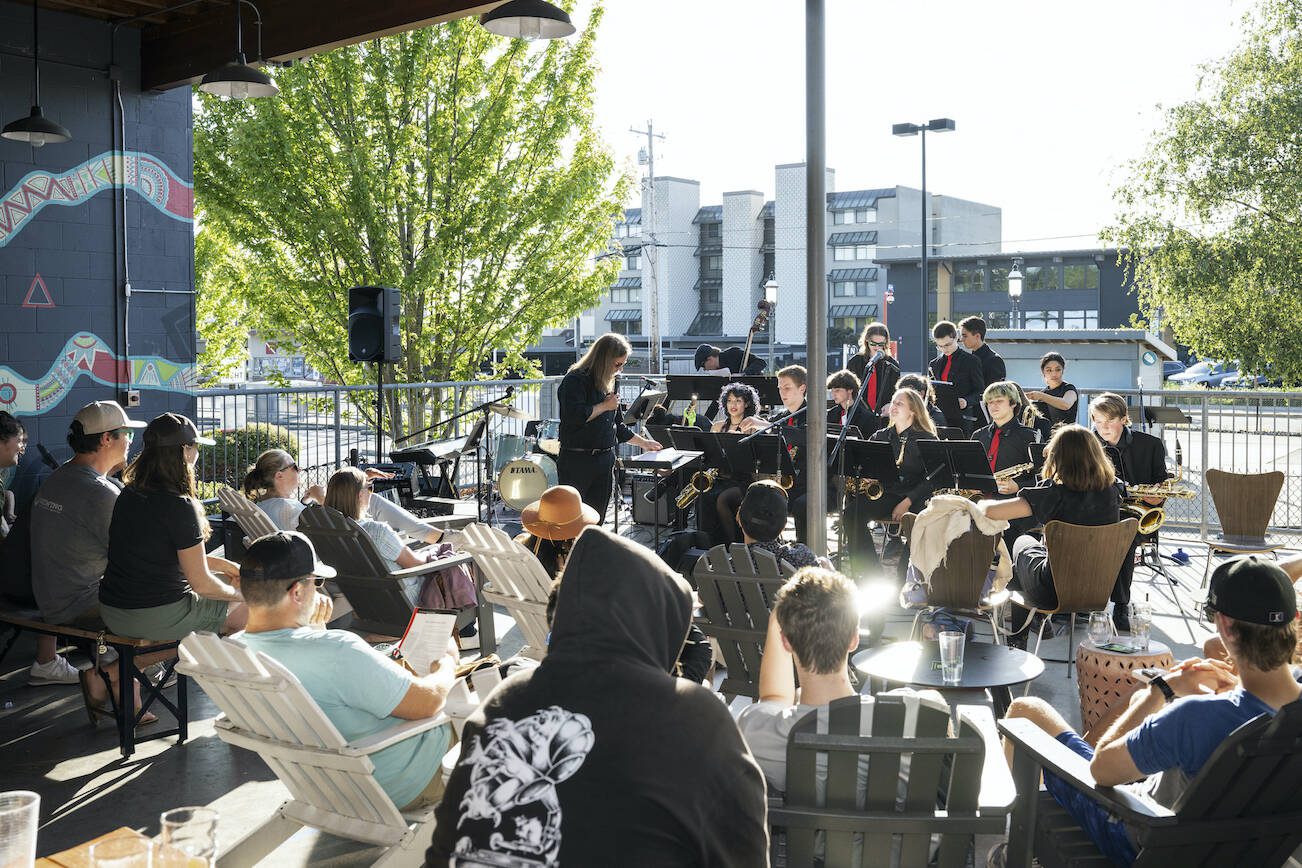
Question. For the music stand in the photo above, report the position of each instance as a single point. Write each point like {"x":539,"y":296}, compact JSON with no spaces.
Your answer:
{"x":957,"y":464}
{"x":1166,"y":416}
{"x":865,"y":459}
{"x":640,"y":408}
{"x":947,"y":399}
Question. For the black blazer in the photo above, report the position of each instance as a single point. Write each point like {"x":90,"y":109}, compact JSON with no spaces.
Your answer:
{"x":866,"y":420}
{"x":1015,"y":441}
{"x":577,"y":396}
{"x":912,"y":480}
{"x":965,"y":373}
{"x":888,"y":374}
{"x":1143,"y":458}
{"x":992,"y":364}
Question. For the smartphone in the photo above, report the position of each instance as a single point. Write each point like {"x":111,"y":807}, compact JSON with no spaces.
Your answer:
{"x":1118,"y":647}
{"x":1145,"y":675}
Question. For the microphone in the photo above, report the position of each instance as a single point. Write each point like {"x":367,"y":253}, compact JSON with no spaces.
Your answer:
{"x":877,"y":357}
{"x":510,"y":390}
{"x":650,"y":382}
{"x":46,"y":457}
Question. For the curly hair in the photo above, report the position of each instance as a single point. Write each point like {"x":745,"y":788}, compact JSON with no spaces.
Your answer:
{"x":743,"y":391}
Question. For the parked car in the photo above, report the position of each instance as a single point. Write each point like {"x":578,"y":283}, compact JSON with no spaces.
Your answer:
{"x":1252,"y":381}
{"x":1207,"y":374}
{"x":1170,"y":369}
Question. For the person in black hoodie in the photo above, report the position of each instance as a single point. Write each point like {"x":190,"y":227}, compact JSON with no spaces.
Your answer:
{"x":599,"y":756}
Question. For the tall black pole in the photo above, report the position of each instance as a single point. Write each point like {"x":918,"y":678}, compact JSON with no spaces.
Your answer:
{"x":379,"y":410}
{"x":816,"y":275}
{"x":926,"y":332}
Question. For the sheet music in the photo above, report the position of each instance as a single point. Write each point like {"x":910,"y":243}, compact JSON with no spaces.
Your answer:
{"x":426,"y":639}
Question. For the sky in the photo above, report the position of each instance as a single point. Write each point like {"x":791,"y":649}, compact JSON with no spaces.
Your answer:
{"x":1050,"y":99}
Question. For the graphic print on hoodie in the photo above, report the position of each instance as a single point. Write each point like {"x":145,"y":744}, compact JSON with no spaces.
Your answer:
{"x":599,"y":756}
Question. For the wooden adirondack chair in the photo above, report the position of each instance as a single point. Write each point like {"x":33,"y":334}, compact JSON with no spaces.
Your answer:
{"x":513,"y":579}
{"x":957,"y":584}
{"x":1243,"y":808}
{"x":736,"y":594}
{"x":382,"y":599}
{"x":1244,"y":502}
{"x":969,"y":769}
{"x":331,"y":781}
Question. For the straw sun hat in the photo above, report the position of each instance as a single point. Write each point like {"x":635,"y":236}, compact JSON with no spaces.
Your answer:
{"x":559,"y":514}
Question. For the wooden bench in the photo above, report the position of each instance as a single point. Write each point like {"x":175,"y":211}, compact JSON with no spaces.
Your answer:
{"x":124,"y":704}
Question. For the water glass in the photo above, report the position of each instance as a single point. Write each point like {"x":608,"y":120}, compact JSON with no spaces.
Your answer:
{"x":1100,"y":628}
{"x":1141,"y":625}
{"x":951,"y":656}
{"x":19,"y":810}
{"x":125,"y":851}
{"x":192,"y":831}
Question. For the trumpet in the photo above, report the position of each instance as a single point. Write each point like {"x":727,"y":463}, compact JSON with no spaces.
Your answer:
{"x":701,"y":482}
{"x":1151,"y":517}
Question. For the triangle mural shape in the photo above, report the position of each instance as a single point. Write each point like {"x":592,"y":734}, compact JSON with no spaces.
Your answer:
{"x":41,"y":299}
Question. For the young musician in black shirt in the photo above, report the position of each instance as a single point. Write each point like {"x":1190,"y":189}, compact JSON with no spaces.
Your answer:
{"x":1007,"y":443}
{"x":960,"y":368}
{"x":717,"y":508}
{"x":711,"y":358}
{"x":877,"y":371}
{"x":1080,"y":487}
{"x":791,"y":389}
{"x":923,"y":387}
{"x":974,"y":338}
{"x":843,"y":388}
{"x":590,"y":423}
{"x":1057,"y":400}
{"x":1143,"y":462}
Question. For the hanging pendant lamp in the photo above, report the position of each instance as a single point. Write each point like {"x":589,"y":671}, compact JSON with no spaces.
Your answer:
{"x":528,"y":19}
{"x":36,"y":129}
{"x":238,"y":80}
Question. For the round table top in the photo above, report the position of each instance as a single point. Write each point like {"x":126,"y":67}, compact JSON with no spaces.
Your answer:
{"x":918,"y":663}
{"x":1155,"y":648}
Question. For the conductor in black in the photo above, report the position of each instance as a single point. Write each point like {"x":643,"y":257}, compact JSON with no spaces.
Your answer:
{"x":591,"y":426}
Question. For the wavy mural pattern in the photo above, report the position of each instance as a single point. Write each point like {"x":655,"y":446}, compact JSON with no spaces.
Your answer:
{"x":87,"y":355}
{"x":143,"y":173}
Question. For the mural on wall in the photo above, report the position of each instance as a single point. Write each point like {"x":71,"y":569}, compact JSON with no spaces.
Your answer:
{"x":146,"y":174}
{"x":88,"y":355}
{"x":38,"y":294}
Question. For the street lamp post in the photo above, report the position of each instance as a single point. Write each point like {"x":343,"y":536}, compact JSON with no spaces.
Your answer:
{"x":1015,"y":289}
{"x":771,"y":296}
{"x":888,"y":299}
{"x":936,"y":125}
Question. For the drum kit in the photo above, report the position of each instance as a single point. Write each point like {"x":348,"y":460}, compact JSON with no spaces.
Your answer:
{"x":525,"y":466}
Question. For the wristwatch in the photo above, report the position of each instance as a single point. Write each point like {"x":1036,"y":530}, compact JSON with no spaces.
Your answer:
{"x":1160,"y":683}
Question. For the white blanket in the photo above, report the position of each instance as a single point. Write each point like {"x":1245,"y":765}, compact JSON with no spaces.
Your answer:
{"x":946,"y":518}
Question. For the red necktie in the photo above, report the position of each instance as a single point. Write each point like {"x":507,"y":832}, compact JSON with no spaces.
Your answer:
{"x":949,"y":360}
{"x":993,"y":454}
{"x":871,"y":395}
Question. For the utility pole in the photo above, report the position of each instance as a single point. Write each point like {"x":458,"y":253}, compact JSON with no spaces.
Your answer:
{"x":647,"y":157}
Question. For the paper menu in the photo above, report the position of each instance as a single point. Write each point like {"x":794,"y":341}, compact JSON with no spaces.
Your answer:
{"x":426,"y":639}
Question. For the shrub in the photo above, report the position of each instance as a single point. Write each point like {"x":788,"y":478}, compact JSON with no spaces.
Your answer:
{"x":237,"y":448}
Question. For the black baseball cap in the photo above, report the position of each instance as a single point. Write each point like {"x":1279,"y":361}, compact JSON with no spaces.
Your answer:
{"x":1254,"y":590}
{"x":703,"y":352}
{"x":282,"y":556}
{"x":173,"y":429}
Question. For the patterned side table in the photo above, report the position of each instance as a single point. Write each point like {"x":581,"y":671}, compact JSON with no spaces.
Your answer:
{"x":1103,"y":677}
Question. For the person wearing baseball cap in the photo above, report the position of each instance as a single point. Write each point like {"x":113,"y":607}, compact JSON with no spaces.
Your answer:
{"x":359,"y":689}
{"x":159,"y":582}
{"x":1169,"y":730}
{"x":726,"y":362}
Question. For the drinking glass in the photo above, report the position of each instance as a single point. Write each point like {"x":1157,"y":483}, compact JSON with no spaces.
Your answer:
{"x":192,"y":831}
{"x":1100,"y":628}
{"x":951,"y":656}
{"x":19,"y":810}
{"x":127,"y":851}
{"x":1141,"y":625}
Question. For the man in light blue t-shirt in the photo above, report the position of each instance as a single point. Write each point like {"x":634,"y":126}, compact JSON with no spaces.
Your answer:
{"x":360,"y":690}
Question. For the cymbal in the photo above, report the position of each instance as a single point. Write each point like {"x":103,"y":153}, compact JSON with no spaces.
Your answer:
{"x":509,"y":412}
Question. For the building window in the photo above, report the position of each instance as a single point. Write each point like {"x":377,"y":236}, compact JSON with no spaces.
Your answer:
{"x":626,"y":295}
{"x":999,"y":278}
{"x":621,"y":230}
{"x":1041,"y":277}
{"x":853,"y":288}
{"x":1080,"y":319}
{"x":1080,"y":275}
{"x":865,"y":251}
{"x":634,"y":230}
{"x":865,"y":215}
{"x":714,"y":264}
{"x":627,"y":327}
{"x":1039,"y":320}
{"x":633,"y":263}
{"x":840,"y":218}
{"x":842,"y":254}
{"x":997,"y":319}
{"x":969,"y":278}
{"x":711,"y":230}
{"x":711,"y":296}
{"x":858,"y":251}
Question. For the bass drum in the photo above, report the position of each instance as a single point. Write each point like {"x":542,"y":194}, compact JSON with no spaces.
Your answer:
{"x":524,"y":480}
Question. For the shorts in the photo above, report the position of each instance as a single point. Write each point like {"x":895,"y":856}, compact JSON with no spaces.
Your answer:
{"x":1106,"y":831}
{"x":190,"y":614}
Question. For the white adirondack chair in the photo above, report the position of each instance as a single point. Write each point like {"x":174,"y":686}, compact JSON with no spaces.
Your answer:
{"x":513,"y":579}
{"x":331,"y":781}
{"x":250,"y":517}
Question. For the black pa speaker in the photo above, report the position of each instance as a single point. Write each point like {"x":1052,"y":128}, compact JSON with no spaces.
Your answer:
{"x":374,"y":334}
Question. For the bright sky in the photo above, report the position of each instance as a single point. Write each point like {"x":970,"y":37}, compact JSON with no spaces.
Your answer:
{"x":1050,"y":98}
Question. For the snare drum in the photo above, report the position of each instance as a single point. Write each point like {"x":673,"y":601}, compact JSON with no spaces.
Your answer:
{"x":507,"y":448}
{"x":524,"y":480}
{"x":549,"y":437}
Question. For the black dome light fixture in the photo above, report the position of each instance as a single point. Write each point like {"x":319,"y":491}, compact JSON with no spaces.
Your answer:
{"x":528,"y":19}
{"x":238,"y":80}
{"x":36,"y":129}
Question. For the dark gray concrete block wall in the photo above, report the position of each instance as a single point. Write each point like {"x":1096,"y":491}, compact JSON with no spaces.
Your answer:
{"x":77,"y":250}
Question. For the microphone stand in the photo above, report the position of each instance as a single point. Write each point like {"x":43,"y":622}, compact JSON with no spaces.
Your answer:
{"x":501,"y":399}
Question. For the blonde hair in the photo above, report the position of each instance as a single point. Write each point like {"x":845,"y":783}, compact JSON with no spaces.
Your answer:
{"x":344,"y":490}
{"x":921,"y":418}
{"x":1075,"y":459}
{"x":599,"y":360}
{"x":1003,"y":389}
{"x":260,"y":480}
{"x":1111,"y":405}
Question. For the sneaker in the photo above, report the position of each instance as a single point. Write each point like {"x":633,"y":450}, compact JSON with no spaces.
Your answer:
{"x":57,"y":671}
{"x":998,"y":855}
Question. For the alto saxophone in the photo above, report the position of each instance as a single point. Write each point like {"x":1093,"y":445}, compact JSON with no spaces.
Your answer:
{"x":976,"y":493}
{"x":701,"y":482}
{"x":872,"y":488}
{"x":1152,"y":517}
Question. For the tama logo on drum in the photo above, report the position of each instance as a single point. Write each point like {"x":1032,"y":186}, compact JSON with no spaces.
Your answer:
{"x":516,"y":468}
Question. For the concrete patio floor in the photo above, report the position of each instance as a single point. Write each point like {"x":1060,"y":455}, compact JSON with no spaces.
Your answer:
{"x":87,"y":788}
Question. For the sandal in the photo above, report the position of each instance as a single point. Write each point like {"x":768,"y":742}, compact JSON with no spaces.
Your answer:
{"x":96,"y":710}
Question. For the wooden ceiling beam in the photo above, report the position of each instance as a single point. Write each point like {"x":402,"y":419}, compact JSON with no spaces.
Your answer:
{"x":181,"y":52}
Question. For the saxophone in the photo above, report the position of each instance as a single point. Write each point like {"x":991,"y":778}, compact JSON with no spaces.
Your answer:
{"x":872,"y":488}
{"x":701,"y":482}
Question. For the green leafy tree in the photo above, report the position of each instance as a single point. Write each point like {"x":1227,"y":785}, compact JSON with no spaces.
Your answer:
{"x":221,"y":311}
{"x":1211,"y":217}
{"x":462,"y":168}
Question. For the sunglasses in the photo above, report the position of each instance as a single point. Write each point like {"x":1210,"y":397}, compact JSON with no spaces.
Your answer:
{"x":293,"y":465}
{"x":317,"y":581}
{"x":125,"y":433}
{"x":878,"y":344}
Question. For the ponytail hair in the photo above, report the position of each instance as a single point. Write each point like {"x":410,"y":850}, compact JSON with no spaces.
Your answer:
{"x":260,"y":480}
